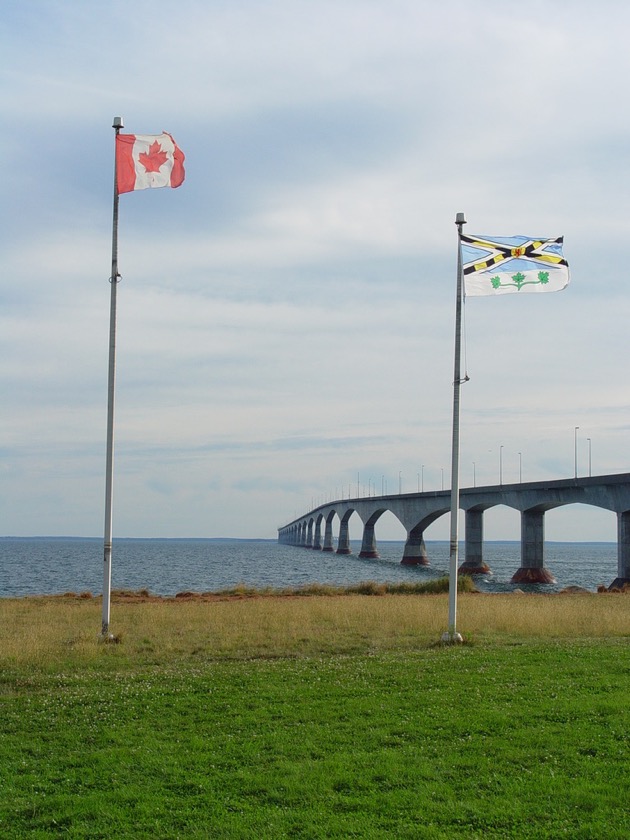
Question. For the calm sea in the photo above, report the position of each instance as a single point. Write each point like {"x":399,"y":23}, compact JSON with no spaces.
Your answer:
{"x":44,"y":565}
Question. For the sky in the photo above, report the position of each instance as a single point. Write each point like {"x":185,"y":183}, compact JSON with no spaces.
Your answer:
{"x":285,"y":329}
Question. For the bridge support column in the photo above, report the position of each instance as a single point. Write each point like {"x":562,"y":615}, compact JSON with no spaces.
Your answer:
{"x":328,"y":536}
{"x":473,"y":561}
{"x":343,"y":544}
{"x":415,"y":553}
{"x":532,"y":568}
{"x":368,"y":544}
{"x":317,"y":536}
{"x":623,"y":551}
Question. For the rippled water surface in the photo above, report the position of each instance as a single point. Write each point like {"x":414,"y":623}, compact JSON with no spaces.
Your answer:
{"x":33,"y":566}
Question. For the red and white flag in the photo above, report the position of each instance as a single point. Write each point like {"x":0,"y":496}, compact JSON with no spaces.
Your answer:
{"x":148,"y":160}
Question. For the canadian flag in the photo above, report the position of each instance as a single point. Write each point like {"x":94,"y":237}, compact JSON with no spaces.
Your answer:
{"x":148,"y":160}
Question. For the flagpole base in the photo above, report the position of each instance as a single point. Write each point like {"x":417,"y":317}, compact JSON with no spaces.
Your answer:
{"x":452,"y":638}
{"x":108,"y":639}
{"x":532,"y":575}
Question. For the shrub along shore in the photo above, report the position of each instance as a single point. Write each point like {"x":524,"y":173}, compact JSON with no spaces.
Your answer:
{"x":249,"y":714}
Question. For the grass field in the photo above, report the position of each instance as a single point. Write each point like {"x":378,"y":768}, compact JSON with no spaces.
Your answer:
{"x":316,"y":717}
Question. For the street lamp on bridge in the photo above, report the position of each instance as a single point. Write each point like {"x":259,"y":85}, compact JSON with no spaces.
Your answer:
{"x":575,"y":437}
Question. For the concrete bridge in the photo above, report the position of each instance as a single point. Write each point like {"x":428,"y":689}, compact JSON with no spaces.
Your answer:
{"x":416,"y":511}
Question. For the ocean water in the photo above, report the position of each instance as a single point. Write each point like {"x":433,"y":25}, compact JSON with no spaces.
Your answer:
{"x":42,"y":566}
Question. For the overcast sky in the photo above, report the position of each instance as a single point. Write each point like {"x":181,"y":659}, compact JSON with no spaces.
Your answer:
{"x":286,"y":317}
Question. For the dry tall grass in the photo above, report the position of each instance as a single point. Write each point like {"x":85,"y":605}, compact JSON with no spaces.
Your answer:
{"x":50,"y":632}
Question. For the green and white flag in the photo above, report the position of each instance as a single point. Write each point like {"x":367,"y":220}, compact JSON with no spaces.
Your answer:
{"x":498,"y":265}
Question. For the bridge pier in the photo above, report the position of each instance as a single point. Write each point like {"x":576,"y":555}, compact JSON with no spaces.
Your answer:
{"x":623,"y":551}
{"x":317,"y":536}
{"x":532,"y":568}
{"x":343,"y":544}
{"x":328,"y":535}
{"x":368,"y":544}
{"x":415,"y":552}
{"x":473,"y":561}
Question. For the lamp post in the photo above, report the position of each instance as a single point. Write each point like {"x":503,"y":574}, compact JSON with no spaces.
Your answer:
{"x":520,"y":467}
{"x":422,"y":477}
{"x":589,"y":457}
{"x":501,"y":464}
{"x":575,"y":437}
{"x":442,"y":468}
{"x":399,"y":482}
{"x":474,"y":475}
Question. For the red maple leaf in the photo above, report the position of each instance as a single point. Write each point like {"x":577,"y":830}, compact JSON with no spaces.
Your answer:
{"x":154,"y":159}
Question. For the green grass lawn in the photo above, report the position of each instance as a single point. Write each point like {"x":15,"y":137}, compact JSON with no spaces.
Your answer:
{"x":504,"y":739}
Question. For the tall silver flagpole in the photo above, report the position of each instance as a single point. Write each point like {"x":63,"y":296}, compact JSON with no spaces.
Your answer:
{"x":452,"y":635}
{"x":109,"y":469}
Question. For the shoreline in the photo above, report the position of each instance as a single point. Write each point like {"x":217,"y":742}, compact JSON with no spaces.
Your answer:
{"x":366,"y":589}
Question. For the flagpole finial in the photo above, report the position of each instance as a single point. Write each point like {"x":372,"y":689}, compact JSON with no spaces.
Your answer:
{"x":460,"y":219}
{"x":118,"y":122}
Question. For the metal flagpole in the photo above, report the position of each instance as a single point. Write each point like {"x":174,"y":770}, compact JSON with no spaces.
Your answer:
{"x":452,"y":635}
{"x":109,"y":469}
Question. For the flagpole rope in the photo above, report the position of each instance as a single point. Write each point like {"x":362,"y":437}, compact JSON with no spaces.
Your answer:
{"x":465,"y":340}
